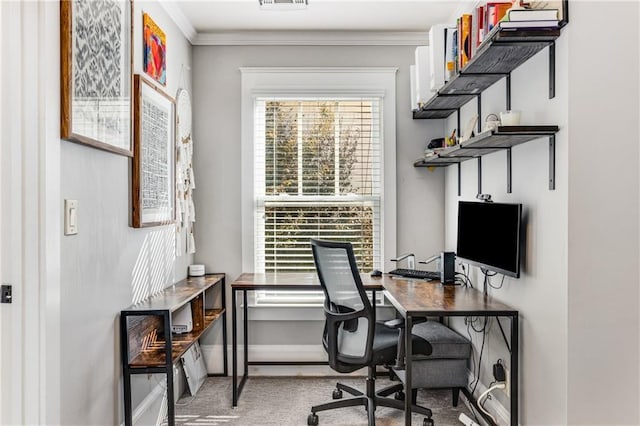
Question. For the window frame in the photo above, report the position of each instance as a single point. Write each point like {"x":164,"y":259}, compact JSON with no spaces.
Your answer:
{"x":311,"y":82}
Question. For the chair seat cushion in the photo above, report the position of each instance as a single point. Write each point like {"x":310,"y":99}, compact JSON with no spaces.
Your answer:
{"x":446,"y":343}
{"x":385,"y":345}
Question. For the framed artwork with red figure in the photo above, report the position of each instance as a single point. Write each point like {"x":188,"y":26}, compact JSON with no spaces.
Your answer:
{"x":155,"y":50}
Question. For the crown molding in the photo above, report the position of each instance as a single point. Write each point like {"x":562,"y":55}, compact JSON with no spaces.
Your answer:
{"x":175,"y":13}
{"x":311,"y":38}
{"x":324,"y":70}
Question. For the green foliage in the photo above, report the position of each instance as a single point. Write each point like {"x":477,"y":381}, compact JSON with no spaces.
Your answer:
{"x":288,"y":229}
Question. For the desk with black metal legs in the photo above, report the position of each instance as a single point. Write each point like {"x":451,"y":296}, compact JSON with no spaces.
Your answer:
{"x":246,"y":282}
{"x":416,"y":299}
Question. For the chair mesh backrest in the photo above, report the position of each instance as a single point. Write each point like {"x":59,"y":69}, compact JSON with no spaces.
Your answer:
{"x":343,"y":290}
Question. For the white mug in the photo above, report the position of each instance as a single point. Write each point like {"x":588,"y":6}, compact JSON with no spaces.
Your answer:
{"x":510,"y":118}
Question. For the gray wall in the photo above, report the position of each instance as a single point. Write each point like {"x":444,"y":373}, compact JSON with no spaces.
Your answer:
{"x":603,"y":217}
{"x":101,"y":266}
{"x":540,"y":294}
{"x":217,"y":158}
{"x":578,"y":293}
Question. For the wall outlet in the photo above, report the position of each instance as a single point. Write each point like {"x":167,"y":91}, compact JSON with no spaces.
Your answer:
{"x":465,"y":420}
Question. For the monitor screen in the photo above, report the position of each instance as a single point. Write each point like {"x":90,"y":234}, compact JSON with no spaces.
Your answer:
{"x":489,"y":236}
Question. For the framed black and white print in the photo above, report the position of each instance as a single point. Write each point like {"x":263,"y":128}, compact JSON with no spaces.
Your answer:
{"x":96,"y":58}
{"x":153,"y":177}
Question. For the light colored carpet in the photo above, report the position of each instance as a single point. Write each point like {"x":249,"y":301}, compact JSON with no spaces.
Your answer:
{"x":285,"y":401}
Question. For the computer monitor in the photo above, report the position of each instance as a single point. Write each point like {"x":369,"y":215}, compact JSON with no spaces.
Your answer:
{"x":489,"y":236}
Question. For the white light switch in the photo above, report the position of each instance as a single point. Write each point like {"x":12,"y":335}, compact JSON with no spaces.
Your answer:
{"x":70,"y":217}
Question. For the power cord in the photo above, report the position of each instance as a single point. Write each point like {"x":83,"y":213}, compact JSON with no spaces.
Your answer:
{"x":465,"y":275}
{"x":484,"y":330}
{"x":500,"y":385}
{"x":494,"y":286}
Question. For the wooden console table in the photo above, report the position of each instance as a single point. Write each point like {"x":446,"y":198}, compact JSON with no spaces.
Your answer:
{"x":147,"y":343}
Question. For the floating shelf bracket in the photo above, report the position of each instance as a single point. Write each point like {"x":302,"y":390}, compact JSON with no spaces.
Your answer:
{"x":459,"y":180}
{"x":552,"y":70}
{"x":479,"y":113}
{"x":458,"y":128}
{"x":508,"y":170}
{"x":508,"y":85}
{"x":479,"y":175}
{"x":552,"y":162}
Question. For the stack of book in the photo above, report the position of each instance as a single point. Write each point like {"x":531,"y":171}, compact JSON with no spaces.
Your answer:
{"x":454,"y":45}
{"x":531,"y":18}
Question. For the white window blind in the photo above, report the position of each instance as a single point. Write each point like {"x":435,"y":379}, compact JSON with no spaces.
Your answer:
{"x":317,"y":174}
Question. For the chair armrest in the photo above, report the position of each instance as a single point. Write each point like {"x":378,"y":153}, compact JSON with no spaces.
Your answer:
{"x":348,"y":319}
{"x":398,"y":324}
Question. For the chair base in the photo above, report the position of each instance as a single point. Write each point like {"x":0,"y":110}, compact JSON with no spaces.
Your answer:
{"x":370,"y":400}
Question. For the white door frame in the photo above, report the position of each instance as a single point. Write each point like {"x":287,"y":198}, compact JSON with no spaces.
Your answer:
{"x":30,"y":212}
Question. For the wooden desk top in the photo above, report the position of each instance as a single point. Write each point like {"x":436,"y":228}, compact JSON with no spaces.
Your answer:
{"x":430,"y":298}
{"x":292,"y":281}
{"x":177,"y":295}
{"x":415,"y":297}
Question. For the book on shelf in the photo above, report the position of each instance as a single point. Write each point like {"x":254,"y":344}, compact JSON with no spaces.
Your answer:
{"x":529,"y":24}
{"x":533,"y":15}
{"x":476,"y":28}
{"x":465,"y":40}
{"x":438,"y":44}
{"x":558,"y":5}
{"x":494,"y":12}
{"x":415,"y":102}
{"x":450,"y":53}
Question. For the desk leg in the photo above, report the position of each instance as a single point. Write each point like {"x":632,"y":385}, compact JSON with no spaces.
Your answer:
{"x":514,"y":369}
{"x":171,"y":415}
{"x":245,"y":340}
{"x":234,"y":347}
{"x":408,"y":321}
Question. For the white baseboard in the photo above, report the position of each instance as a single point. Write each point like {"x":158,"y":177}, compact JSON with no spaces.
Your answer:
{"x":492,"y":405}
{"x":150,"y":405}
{"x":153,"y":408}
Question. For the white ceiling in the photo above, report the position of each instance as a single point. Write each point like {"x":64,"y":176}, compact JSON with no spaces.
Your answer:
{"x":217,"y":16}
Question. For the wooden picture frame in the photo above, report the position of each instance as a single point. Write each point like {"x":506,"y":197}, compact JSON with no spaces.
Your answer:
{"x":153,"y":176}
{"x":95,"y":69}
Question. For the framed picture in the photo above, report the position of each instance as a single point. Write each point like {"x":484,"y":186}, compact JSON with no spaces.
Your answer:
{"x":153,"y":179}
{"x":155,"y":50}
{"x":95,"y":56}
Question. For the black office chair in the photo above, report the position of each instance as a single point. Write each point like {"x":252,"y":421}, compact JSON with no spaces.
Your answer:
{"x":351,"y":336}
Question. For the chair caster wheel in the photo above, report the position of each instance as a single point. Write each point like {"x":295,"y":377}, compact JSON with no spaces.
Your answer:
{"x":312,"y":420}
{"x":428,"y":421}
{"x":337,"y":394}
{"x":399,"y":396}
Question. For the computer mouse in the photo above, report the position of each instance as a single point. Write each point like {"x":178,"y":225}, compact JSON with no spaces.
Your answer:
{"x":376,"y":273}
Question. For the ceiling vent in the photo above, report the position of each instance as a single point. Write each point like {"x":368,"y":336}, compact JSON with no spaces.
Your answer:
{"x":283,"y":4}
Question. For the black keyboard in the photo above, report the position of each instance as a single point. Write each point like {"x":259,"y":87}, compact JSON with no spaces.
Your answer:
{"x":415,"y":273}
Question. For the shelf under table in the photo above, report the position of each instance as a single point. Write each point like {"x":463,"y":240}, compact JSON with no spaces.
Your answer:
{"x":154,"y":355}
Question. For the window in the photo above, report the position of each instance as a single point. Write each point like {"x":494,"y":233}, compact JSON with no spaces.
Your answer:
{"x":317,"y":176}
{"x":317,"y":169}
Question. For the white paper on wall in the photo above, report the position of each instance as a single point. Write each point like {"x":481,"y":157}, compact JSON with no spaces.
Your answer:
{"x":185,"y":182}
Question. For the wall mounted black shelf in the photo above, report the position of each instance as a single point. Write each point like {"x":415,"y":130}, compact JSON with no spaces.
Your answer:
{"x":501,"y":139}
{"x":500,"y":54}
